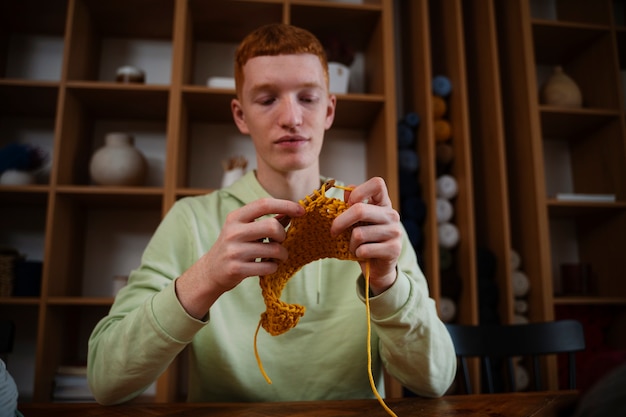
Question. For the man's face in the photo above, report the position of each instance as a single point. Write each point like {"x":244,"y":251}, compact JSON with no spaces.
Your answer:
{"x":285,"y":107}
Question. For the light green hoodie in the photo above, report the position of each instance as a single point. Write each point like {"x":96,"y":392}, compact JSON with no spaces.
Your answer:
{"x":323,"y":357}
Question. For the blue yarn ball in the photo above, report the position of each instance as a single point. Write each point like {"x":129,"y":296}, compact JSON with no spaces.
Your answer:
{"x":408,"y":160}
{"x":441,"y":86}
{"x":412,"y":119}
{"x":406,"y":135}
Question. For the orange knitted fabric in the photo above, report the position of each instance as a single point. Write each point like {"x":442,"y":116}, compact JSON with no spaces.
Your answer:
{"x":308,"y":239}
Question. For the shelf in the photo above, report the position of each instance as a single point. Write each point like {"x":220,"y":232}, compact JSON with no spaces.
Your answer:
{"x":20,"y":301}
{"x":569,"y":209}
{"x":562,"y":300}
{"x":113,"y":197}
{"x":559,"y":123}
{"x":125,"y":101}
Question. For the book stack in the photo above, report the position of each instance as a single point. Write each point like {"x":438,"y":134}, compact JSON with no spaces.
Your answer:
{"x":70,"y":384}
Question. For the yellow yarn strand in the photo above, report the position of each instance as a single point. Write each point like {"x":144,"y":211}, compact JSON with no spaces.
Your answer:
{"x":258,"y":358}
{"x":306,"y":243}
{"x":369,"y":341}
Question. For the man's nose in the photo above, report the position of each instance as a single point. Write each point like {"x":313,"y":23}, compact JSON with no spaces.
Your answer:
{"x":290,"y":113}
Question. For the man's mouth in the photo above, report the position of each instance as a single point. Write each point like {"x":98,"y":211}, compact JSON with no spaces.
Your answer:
{"x":291,"y":139}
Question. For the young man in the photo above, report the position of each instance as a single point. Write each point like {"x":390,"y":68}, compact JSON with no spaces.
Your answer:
{"x":198,"y":284}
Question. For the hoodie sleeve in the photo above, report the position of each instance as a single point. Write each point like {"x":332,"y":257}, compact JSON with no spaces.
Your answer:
{"x":147,"y":326}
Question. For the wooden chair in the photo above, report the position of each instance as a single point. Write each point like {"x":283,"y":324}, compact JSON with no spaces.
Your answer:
{"x":492,"y":342}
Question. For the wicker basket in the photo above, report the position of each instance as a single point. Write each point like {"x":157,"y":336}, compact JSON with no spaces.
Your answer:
{"x":7,"y":262}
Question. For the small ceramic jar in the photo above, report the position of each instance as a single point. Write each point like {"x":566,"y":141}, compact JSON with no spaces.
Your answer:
{"x":130,"y":74}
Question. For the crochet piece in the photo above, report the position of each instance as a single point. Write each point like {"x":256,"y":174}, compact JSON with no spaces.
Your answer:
{"x":308,"y":239}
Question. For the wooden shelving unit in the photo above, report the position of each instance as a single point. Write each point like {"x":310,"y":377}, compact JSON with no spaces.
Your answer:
{"x":554,"y":150}
{"x":512,"y":153}
{"x":85,"y":234}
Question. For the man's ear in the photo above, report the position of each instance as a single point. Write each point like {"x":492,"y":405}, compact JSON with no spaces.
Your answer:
{"x":238,"y":116}
{"x":330,"y":111}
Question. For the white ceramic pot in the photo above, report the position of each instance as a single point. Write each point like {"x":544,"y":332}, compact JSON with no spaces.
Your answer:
{"x":15,"y":177}
{"x":118,"y":162}
{"x":338,"y":77}
{"x":561,"y":90}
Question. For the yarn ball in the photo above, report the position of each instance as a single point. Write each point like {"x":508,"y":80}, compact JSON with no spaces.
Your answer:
{"x":408,"y":160}
{"x":21,"y":157}
{"x":441,"y":86}
{"x":406,"y":135}
{"x":412,"y":119}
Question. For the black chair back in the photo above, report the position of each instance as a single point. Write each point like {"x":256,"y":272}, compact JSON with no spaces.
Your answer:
{"x":533,"y":340}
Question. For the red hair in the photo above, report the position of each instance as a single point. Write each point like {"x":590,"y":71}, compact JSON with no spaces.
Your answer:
{"x":277,"y":39}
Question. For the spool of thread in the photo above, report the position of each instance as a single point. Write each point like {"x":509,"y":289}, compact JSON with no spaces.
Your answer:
{"x":447,"y":187}
{"x":406,"y":135}
{"x":408,"y":160}
{"x":447,"y":309}
{"x":516,"y":260}
{"x":443,"y":130}
{"x":444,"y":210}
{"x":448,"y":235}
{"x":520,"y":284}
{"x":440,"y":107}
{"x":441,"y":85}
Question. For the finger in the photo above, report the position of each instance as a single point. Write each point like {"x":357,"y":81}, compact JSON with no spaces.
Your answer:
{"x":376,"y":241}
{"x":364,"y":213}
{"x":267,"y":206}
{"x":373,"y":191}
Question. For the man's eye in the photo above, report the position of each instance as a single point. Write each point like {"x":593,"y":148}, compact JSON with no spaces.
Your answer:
{"x":266,"y":101}
{"x":308,"y":99}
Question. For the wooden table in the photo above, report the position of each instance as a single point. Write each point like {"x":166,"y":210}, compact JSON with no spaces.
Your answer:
{"x":501,"y":405}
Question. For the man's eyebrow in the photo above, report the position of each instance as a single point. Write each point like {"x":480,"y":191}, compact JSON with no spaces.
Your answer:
{"x":265,"y":87}
{"x":262,"y":88}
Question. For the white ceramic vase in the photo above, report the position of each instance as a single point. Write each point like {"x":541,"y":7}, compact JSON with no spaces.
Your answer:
{"x":561,"y":90}
{"x":118,"y":162}
{"x":338,"y":77}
